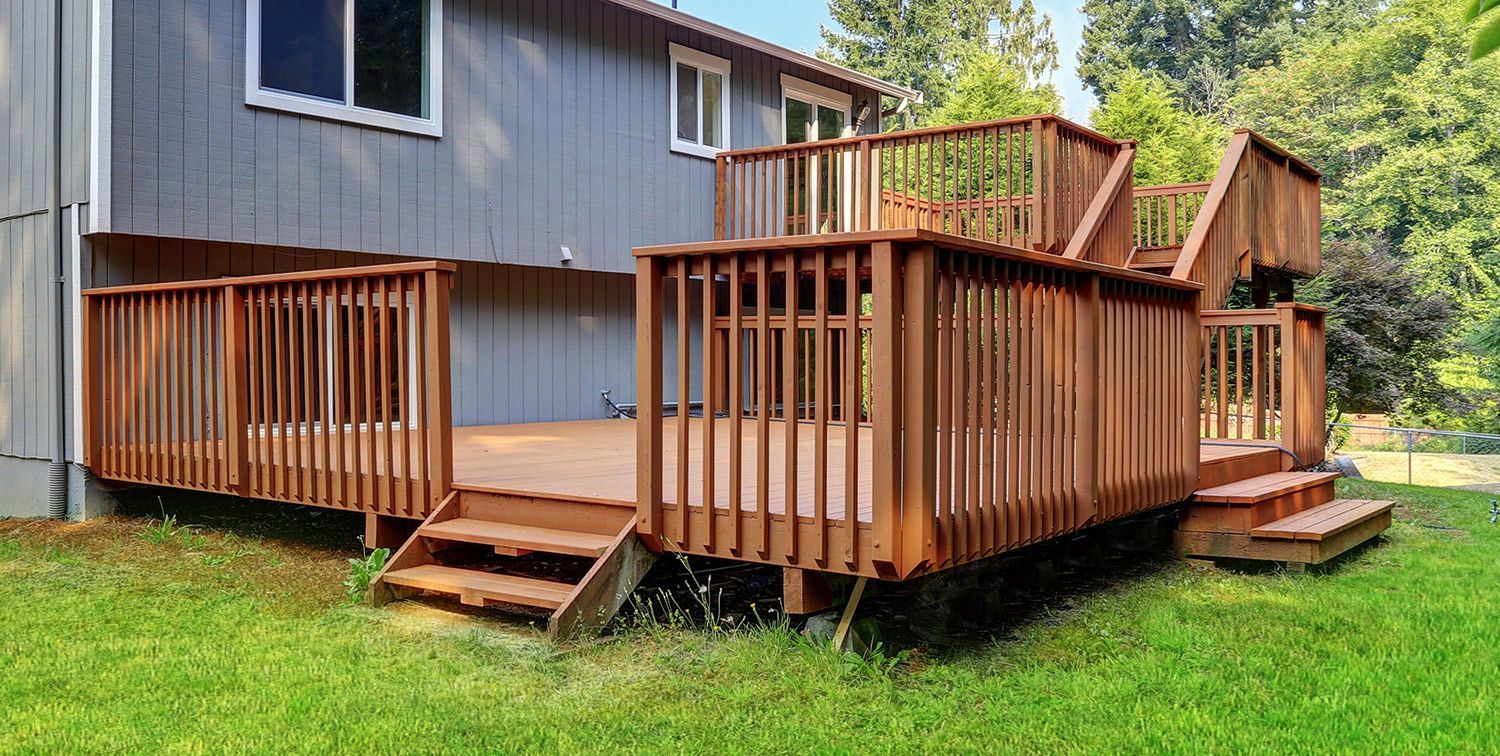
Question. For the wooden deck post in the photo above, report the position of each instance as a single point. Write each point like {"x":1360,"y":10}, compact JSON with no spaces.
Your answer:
{"x":236,"y":386}
{"x":437,"y":363}
{"x":885,"y":415}
{"x":89,"y":376}
{"x":918,"y":362}
{"x":1291,"y":371}
{"x":649,"y":323}
{"x":721,"y":200}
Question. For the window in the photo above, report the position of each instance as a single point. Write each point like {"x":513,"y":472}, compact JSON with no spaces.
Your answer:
{"x":818,"y":197}
{"x":700,"y":102}
{"x":812,"y":113}
{"x":372,"y":62}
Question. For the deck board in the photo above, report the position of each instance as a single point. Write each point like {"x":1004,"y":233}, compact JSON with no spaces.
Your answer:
{"x":594,"y":460}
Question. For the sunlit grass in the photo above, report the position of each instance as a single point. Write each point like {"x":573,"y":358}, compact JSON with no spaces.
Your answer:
{"x":1426,"y":469}
{"x":111,"y":643}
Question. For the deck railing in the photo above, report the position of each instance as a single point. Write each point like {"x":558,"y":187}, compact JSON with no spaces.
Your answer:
{"x":1024,"y":182}
{"x":328,"y":388}
{"x":912,"y":399}
{"x":1164,"y":215}
{"x":1261,"y":209}
{"x":1264,"y":378}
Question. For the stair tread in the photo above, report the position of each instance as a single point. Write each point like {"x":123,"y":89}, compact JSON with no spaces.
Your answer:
{"x":1262,"y":487}
{"x":474,"y":586}
{"x":1324,"y":520}
{"x":513,"y":535}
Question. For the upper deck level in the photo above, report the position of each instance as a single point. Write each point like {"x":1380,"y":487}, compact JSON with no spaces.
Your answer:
{"x":1038,"y":182}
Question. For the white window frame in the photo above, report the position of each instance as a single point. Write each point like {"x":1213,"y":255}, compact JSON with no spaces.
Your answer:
{"x":816,"y":94}
{"x":349,"y":112}
{"x":703,"y":62}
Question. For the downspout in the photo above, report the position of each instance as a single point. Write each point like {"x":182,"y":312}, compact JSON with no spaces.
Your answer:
{"x":57,"y":471}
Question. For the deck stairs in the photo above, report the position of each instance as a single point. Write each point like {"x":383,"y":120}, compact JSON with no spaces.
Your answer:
{"x":479,"y":548}
{"x":1158,"y":260}
{"x":1249,"y":505}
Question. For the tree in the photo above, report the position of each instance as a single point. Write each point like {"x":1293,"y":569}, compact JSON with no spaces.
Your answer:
{"x":1173,"y":145}
{"x":1023,"y":40}
{"x":987,"y":88}
{"x":1402,"y":126}
{"x":1488,"y":38}
{"x":1201,"y":47}
{"x":922,"y":44}
{"x":1385,"y":337}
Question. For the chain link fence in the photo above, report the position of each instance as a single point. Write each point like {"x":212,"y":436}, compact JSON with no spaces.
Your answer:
{"x":1420,"y":456}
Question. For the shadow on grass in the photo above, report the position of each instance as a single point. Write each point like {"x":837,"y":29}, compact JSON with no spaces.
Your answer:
{"x":967,"y":607}
{"x":289,"y":524}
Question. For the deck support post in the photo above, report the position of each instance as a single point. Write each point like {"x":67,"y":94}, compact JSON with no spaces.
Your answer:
{"x":804,"y":591}
{"x":387,"y":532}
{"x":849,"y":609}
{"x":918,"y":408}
{"x":236,"y":387}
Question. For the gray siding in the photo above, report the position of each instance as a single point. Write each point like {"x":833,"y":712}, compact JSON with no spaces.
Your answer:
{"x":29,"y":385}
{"x":529,"y":344}
{"x":26,"y":102}
{"x":28,"y":382}
{"x":556,"y":132}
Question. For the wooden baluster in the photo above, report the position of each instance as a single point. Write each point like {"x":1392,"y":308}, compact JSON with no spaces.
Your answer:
{"x":944,"y":372}
{"x":736,"y":400}
{"x":710,"y":388}
{"x":822,"y":401}
{"x":789,"y":393}
{"x":684,"y":399}
{"x":852,"y":403}
{"x":763,"y":400}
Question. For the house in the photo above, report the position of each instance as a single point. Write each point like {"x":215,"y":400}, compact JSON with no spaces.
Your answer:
{"x":416,"y":258}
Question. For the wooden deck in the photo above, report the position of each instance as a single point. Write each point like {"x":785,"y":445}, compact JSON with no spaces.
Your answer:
{"x":594,"y":461}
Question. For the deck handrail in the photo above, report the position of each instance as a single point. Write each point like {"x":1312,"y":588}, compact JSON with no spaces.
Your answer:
{"x":935,"y":400}
{"x":1261,"y":209}
{"x":1263,"y":377}
{"x":1163,"y":215}
{"x":326,"y":387}
{"x":1022,"y":181}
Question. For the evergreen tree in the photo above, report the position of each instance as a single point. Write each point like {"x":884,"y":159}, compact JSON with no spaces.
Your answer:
{"x":923,"y":44}
{"x":1173,"y":145}
{"x":987,"y":88}
{"x":1200,"y":47}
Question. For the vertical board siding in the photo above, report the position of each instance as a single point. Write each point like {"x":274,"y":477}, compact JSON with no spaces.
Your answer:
{"x":529,"y":344}
{"x":28,"y":382}
{"x":556,"y":132}
{"x":26,"y":104}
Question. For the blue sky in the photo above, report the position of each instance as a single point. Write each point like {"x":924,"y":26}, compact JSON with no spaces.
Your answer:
{"x":794,"y":23}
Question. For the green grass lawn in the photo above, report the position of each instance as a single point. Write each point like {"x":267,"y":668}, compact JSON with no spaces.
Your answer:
{"x":110,"y":642}
{"x":1477,"y":472}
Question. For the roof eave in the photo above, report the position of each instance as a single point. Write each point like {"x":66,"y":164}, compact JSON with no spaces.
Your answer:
{"x":712,"y":29}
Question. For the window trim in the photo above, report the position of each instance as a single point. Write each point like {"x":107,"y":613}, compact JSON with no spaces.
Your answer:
{"x":255,"y":96}
{"x":816,"y":94}
{"x":703,"y":62}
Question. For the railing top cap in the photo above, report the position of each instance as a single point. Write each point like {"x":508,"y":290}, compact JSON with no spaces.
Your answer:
{"x":325,"y":274}
{"x":910,"y":236}
{"x":927,"y":131}
{"x":1279,"y":150}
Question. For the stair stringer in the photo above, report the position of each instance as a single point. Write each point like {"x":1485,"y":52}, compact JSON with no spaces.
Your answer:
{"x":414,"y":553}
{"x":609,"y":583}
